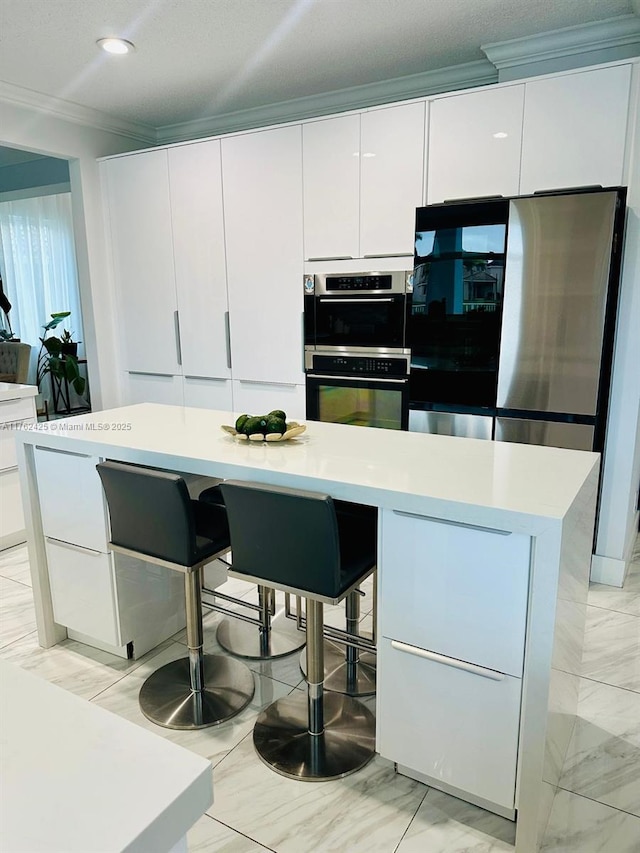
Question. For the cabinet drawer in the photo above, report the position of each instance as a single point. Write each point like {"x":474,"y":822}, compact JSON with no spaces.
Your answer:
{"x":20,"y":409}
{"x":457,"y":590}
{"x":456,"y":726}
{"x":83,"y":591}
{"x":71,"y":499}
{"x":11,"y":515}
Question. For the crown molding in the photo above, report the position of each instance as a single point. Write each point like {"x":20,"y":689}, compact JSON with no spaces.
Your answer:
{"x":463,"y":76}
{"x":621,"y":33}
{"x":67,"y":110}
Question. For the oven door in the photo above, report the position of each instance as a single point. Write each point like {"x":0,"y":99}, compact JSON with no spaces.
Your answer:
{"x":352,"y":322}
{"x":358,"y":400}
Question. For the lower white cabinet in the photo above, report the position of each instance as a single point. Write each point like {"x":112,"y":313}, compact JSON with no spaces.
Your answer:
{"x":125,"y":604}
{"x":83,"y":591}
{"x":16,"y":412}
{"x":257,"y":398}
{"x":208,"y":393}
{"x":452,"y":620}
{"x":450,"y":724}
{"x":153,"y":388}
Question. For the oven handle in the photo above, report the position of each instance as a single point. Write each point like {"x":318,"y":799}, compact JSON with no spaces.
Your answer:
{"x":323,"y":299}
{"x":353,"y":378}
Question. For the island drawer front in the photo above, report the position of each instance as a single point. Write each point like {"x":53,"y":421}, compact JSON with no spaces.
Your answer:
{"x":71,"y":499}
{"x":83,"y":591}
{"x":458,"y":590}
{"x":19,"y":409}
{"x":453,"y":725}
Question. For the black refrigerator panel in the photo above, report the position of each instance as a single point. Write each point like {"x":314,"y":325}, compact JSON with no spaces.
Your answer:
{"x":558,"y":271}
{"x":456,"y":308}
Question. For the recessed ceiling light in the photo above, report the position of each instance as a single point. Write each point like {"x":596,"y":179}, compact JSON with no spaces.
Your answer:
{"x":500,"y":135}
{"x":114,"y":45}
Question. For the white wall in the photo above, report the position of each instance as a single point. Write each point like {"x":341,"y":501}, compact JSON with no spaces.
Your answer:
{"x":34,"y":130}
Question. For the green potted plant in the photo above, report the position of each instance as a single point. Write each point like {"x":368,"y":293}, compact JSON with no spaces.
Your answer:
{"x":58,"y":355}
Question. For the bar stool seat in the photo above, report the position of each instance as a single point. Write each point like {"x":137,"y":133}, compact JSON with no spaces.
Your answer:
{"x":293,"y":540}
{"x":264,"y":638}
{"x":154,"y":519}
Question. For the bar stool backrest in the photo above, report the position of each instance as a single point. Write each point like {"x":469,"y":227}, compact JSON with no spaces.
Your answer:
{"x":150,"y":511}
{"x":288,"y":537}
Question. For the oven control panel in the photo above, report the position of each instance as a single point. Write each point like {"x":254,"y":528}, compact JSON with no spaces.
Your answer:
{"x":361,"y":365}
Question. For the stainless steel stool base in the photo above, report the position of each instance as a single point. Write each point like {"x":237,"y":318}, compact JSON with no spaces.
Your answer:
{"x":242,"y":639}
{"x":337,"y":677}
{"x":166,"y":697}
{"x":282,"y":740}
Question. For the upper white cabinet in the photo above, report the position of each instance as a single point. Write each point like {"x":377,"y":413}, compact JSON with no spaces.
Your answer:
{"x":575,"y":129}
{"x":195,"y":180}
{"x":391,"y":179}
{"x":141,"y":236}
{"x":363,"y":179}
{"x":331,"y":187}
{"x":262,"y":178}
{"x":474,"y":144}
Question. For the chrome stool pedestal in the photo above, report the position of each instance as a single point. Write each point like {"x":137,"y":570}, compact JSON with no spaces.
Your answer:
{"x":273,"y":638}
{"x":320,"y":736}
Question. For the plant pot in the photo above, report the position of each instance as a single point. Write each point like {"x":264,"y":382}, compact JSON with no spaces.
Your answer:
{"x":69,"y":349}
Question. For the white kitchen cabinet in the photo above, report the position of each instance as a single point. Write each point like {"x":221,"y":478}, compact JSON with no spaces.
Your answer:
{"x":115,"y":602}
{"x":332,"y":188}
{"x":475,"y":142}
{"x":468,"y":589}
{"x":141,"y":240}
{"x":363,"y":179}
{"x":153,"y":388}
{"x":392,"y":178}
{"x":17,"y":412}
{"x":195,"y":181}
{"x":208,"y":393}
{"x":456,"y":727}
{"x":258,"y":398}
{"x":262,"y":178}
{"x":575,"y":129}
{"x":451,"y":660}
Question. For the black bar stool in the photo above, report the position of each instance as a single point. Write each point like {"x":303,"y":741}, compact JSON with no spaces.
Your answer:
{"x":154,"y":519}
{"x":294,"y":541}
{"x":350,"y":667}
{"x":261,"y":638}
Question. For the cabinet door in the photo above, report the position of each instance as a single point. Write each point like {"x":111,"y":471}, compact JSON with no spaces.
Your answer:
{"x":468,"y":590}
{"x":456,"y":726}
{"x":198,"y":243}
{"x":153,"y":388}
{"x":140,"y":223}
{"x":256,"y":398}
{"x":262,"y":175}
{"x":331,"y":187}
{"x":208,"y":393}
{"x":391,"y":179}
{"x":575,"y":129}
{"x":474,"y":144}
{"x":11,"y":514}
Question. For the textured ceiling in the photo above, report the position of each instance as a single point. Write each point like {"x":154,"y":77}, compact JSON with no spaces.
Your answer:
{"x":201,"y":58}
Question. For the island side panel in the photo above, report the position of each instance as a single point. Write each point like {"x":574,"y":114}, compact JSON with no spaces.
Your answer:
{"x":557,"y":609}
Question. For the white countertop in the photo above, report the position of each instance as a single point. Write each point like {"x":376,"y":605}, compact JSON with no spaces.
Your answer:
{"x":14,"y":391}
{"x":467,"y":480}
{"x":75,"y":777}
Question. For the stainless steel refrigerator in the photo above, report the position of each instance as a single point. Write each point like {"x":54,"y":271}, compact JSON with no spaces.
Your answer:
{"x":513,"y":319}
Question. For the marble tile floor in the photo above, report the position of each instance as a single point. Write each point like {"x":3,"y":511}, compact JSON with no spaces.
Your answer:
{"x":596,"y":808}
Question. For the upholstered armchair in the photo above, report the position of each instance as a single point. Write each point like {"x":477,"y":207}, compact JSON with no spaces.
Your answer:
{"x":14,"y":361}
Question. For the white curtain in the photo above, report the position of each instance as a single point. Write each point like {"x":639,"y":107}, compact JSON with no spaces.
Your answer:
{"x":38,"y":267}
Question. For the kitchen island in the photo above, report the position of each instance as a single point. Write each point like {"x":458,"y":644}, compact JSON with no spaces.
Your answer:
{"x":484,"y":552}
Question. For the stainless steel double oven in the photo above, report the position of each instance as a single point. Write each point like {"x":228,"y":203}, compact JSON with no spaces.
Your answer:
{"x":356,"y":362}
